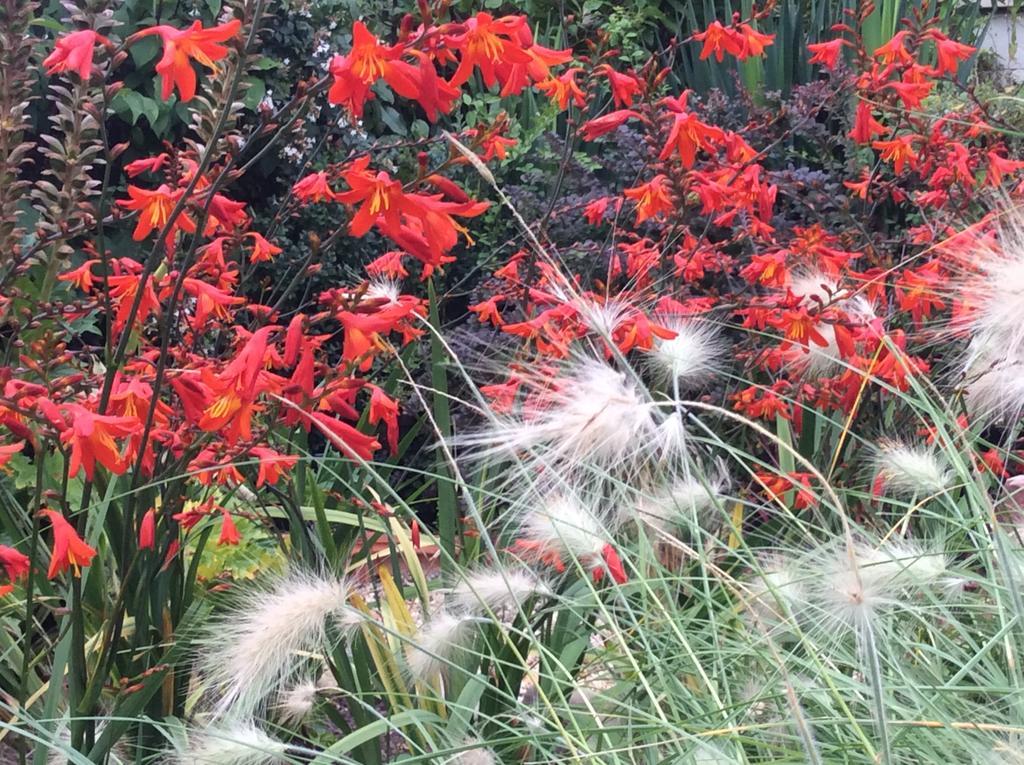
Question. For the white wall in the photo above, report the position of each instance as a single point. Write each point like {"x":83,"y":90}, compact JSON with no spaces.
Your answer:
{"x":997,"y":39}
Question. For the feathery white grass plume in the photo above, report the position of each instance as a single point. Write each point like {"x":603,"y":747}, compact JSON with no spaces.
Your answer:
{"x":587,"y":414}
{"x":990,"y":292}
{"x":853,"y":584}
{"x":241,"y":743}
{"x":431,"y":649}
{"x":386,"y":290}
{"x":778,"y":587}
{"x":251,"y":651}
{"x":689,"y":358}
{"x":677,"y":503}
{"x":296,"y":702}
{"x":906,"y":470}
{"x":563,"y":525}
{"x":497,"y":589}
{"x":603,"y":318}
{"x":479,"y":755}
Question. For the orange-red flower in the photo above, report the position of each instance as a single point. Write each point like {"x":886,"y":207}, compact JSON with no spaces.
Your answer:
{"x":950,"y":53}
{"x":384,"y":409}
{"x":14,"y":563}
{"x":155,"y":207}
{"x":81,"y":277}
{"x":272,"y":466}
{"x":262,"y":249}
{"x":719,"y":40}
{"x":826,"y":53}
{"x":563,"y":88}
{"x":651,"y":198}
{"x":9,"y":450}
{"x":487,"y":43}
{"x":228,"y":531}
{"x":865,"y":126}
{"x":900,"y":151}
{"x":147,"y":530}
{"x":69,"y":550}
{"x":182,"y":47}
{"x":314,"y":188}
{"x":606,"y":123}
{"x":91,"y":438}
{"x":625,"y":87}
{"x":688,"y":133}
{"x":73,"y":53}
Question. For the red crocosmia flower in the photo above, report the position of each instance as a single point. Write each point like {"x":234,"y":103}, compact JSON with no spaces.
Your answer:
{"x":228,"y":531}
{"x":414,"y":534}
{"x":563,"y":88}
{"x":614,"y":565}
{"x":147,"y":530}
{"x":384,"y":409}
{"x":777,"y":485}
{"x":895,"y":51}
{"x":487,"y":43}
{"x":625,"y":87}
{"x":273,"y":465}
{"x":235,"y":389}
{"x":262,"y":249}
{"x":92,"y":437}
{"x":900,"y":151}
{"x":73,"y":53}
{"x":606,"y":123}
{"x":826,"y":53}
{"x":754,"y":42}
{"x":80,"y":277}
{"x":999,"y":166}
{"x":225,"y":215}
{"x":69,"y":551}
{"x":688,"y":133}
{"x":917,"y":291}
{"x":14,"y":563}
{"x":314,"y":188}
{"x":488,"y":310}
{"x":182,"y":46}
{"x":147,"y":165}
{"x":210,"y":301}
{"x":9,"y":450}
{"x":124,"y":284}
{"x":860,"y":188}
{"x":421,"y":224}
{"x":651,"y":198}
{"x":719,"y":40}
{"x":155,"y":207}
{"x":594,"y":212}
{"x":389,"y":264}
{"x":950,"y":53}
{"x":367,"y":62}
{"x":865,"y":126}
{"x":515,"y":77}
{"x":344,"y":437}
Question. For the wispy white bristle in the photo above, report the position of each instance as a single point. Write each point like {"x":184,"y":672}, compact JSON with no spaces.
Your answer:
{"x":585,"y":416}
{"x":384,"y":289}
{"x":480,"y":755}
{"x":678,"y":502}
{"x":239,"y":744}
{"x":252,"y":650}
{"x":494,"y":590}
{"x":854,"y":584}
{"x":990,"y":294}
{"x":908,"y":471}
{"x":295,"y":703}
{"x":432,"y":647}
{"x":563,"y":524}
{"x":689,"y":358}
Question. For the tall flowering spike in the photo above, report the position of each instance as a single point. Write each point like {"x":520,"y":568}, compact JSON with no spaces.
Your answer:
{"x":69,"y":551}
{"x":182,"y":47}
{"x":74,"y":53}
